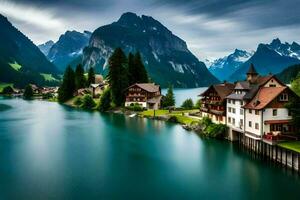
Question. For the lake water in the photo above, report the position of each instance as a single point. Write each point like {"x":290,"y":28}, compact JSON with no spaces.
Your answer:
{"x":49,"y":151}
{"x":182,"y":94}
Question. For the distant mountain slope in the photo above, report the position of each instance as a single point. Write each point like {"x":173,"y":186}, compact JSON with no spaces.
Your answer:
{"x":289,"y":73}
{"x":222,"y":68}
{"x":68,"y":48}
{"x":45,"y":48}
{"x":21,"y":62}
{"x":269,"y":58}
{"x":166,"y":56}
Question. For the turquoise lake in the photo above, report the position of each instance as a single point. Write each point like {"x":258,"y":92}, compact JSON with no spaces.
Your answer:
{"x":49,"y":151}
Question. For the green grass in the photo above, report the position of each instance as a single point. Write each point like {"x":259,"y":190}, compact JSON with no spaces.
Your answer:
{"x":3,"y":85}
{"x":15,"y":66}
{"x":181,"y":118}
{"x":295,"y":146}
{"x":48,"y":77}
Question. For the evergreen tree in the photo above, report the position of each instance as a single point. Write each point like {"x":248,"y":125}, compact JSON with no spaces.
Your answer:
{"x":88,"y":102}
{"x":136,"y":69}
{"x":142,"y":76}
{"x":131,"y":69}
{"x":118,"y":76}
{"x":188,"y":104}
{"x":91,"y":76}
{"x":8,"y":90}
{"x":294,"y":107}
{"x":80,"y":81}
{"x":67,"y":87}
{"x":105,"y":101}
{"x":28,"y":93}
{"x":169,"y":99}
{"x":296,"y":85}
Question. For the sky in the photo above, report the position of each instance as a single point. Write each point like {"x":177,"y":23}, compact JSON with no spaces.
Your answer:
{"x":211,"y":28}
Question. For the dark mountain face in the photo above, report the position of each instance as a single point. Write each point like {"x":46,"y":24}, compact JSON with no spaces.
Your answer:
{"x":166,"y":56}
{"x":269,"y":58}
{"x":289,"y":74}
{"x":21,"y":61}
{"x":45,"y":48}
{"x":68,"y":48}
{"x":222,"y":68}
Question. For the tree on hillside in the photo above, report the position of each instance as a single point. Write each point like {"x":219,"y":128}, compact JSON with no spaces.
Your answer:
{"x":80,"y":80}
{"x":294,"y":107}
{"x":91,"y":76}
{"x":169,"y":99}
{"x":67,"y":87}
{"x":136,"y":69}
{"x":118,"y":76}
{"x":28,"y":93}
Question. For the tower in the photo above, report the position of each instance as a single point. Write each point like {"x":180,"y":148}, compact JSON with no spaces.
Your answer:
{"x":252,"y":74}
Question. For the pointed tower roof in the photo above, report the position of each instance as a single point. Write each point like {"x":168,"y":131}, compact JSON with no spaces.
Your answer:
{"x":252,"y":70}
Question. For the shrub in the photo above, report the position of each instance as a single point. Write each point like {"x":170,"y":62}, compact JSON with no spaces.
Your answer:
{"x":78,"y":101}
{"x":88,"y":102}
{"x":173,"y":119}
{"x":105,"y":101}
{"x":28,"y":93}
{"x":8,"y":90}
{"x":198,"y":104}
{"x":135,"y":107}
{"x":216,"y":130}
{"x":188,"y":104}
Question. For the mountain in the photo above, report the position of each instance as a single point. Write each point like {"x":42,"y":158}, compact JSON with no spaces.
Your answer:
{"x":270,"y":58}
{"x":222,"y":68}
{"x":68,"y":48}
{"x":45,"y":48}
{"x":21,"y":62}
{"x":166,"y":56}
{"x":289,"y":73}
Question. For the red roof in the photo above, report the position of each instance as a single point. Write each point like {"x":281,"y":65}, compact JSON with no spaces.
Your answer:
{"x":264,"y":96}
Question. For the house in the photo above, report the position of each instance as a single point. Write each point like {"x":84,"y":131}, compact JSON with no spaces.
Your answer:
{"x":214,"y":102}
{"x":256,"y":108}
{"x":147,"y":95}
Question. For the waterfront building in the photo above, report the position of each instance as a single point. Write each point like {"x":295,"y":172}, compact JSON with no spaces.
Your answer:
{"x":256,"y":108}
{"x":214,"y":102}
{"x":146,"y":95}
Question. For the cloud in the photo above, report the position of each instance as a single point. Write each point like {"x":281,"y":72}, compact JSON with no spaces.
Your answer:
{"x":211,"y":28}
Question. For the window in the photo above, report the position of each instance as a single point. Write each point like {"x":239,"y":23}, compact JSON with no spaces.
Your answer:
{"x":241,"y":111}
{"x":250,"y":111}
{"x":233,"y":101}
{"x":241,"y":123}
{"x":256,"y":126}
{"x":250,"y":124}
{"x":233,"y":121}
{"x":274,"y":112}
{"x":233,"y":110}
{"x":241,"y":102}
{"x":229,"y":100}
{"x":256,"y":112}
{"x":272,"y":85}
{"x":229,"y":109}
{"x":284,"y":97}
{"x":229,"y":120}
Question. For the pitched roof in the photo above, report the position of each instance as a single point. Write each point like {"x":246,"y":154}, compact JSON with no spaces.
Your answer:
{"x":149,"y":87}
{"x":264,"y":96}
{"x":242,"y":85}
{"x":252,"y":69}
{"x":222,"y":90}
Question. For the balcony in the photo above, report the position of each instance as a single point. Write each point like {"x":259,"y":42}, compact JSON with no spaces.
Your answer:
{"x":217,"y":112}
{"x":204,"y":109}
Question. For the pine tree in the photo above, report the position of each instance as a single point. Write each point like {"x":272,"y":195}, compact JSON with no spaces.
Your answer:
{"x":91,"y":76}
{"x":169,"y":99}
{"x":105,"y":100}
{"x":141,"y":76}
{"x":118,"y":76}
{"x":67,"y":87}
{"x":80,"y":81}
{"x":131,"y":69}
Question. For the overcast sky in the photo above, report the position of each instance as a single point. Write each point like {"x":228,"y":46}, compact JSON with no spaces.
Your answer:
{"x":211,"y":28}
